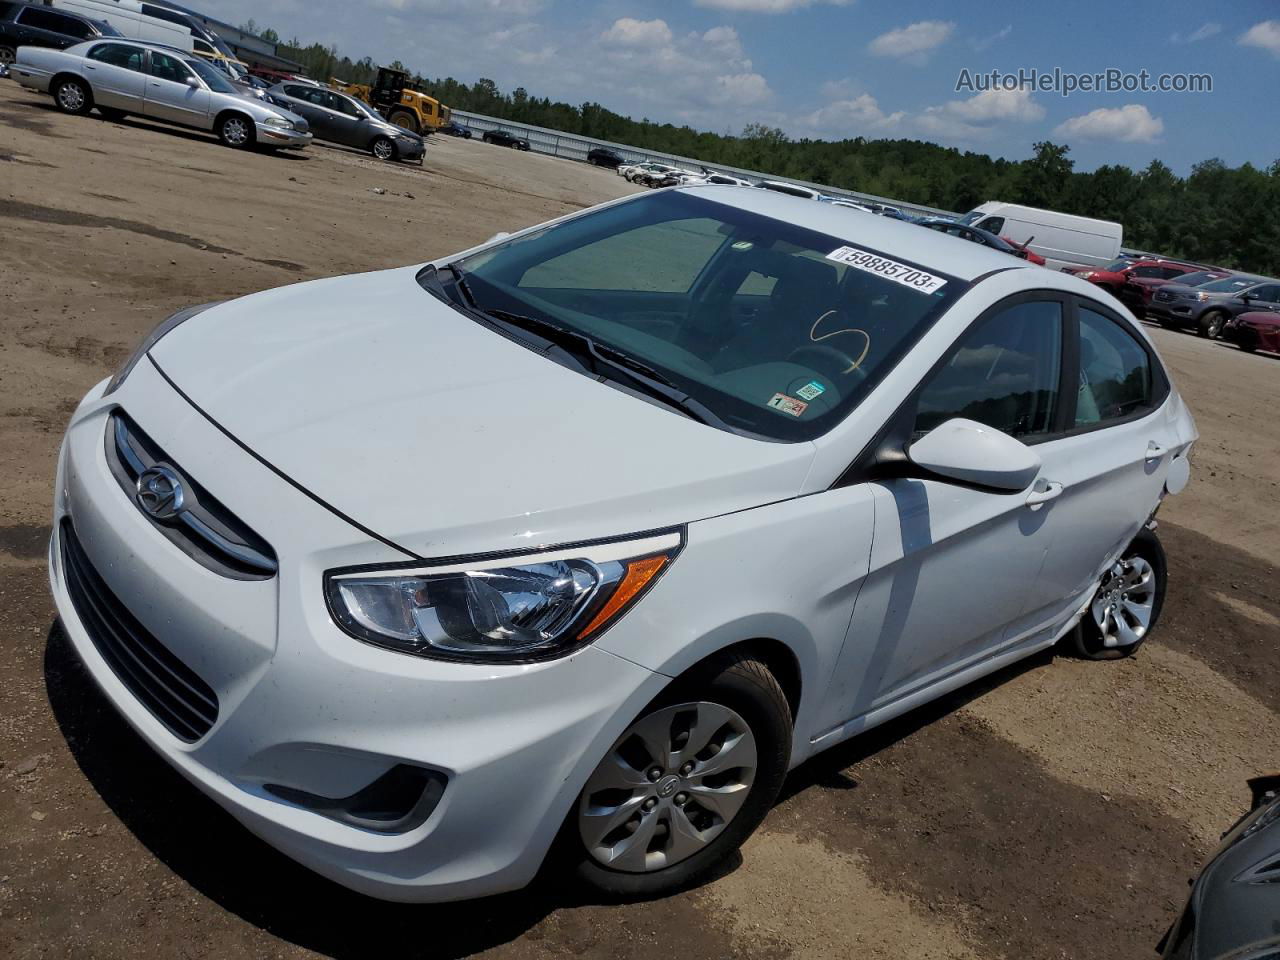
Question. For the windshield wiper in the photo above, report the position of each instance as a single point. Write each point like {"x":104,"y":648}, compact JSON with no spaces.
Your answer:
{"x":597,"y":356}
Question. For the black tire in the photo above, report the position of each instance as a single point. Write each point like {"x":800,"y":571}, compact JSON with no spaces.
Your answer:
{"x":405,"y":119}
{"x":1211,"y":324}
{"x":72,"y":95}
{"x":1086,"y":640}
{"x":746,"y":686}
{"x":112,"y":114}
{"x":236,"y":130}
{"x":7,"y":54}
{"x":384,"y":148}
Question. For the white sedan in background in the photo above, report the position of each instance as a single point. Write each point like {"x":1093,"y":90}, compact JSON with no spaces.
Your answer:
{"x":422,"y":572}
{"x":119,"y":77}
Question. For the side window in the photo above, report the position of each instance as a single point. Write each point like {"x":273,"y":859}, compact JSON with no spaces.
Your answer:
{"x":1172,"y":273}
{"x":118,"y":55}
{"x":1115,"y":372}
{"x":299,"y":93}
{"x":42,"y":19}
{"x":168,"y":68}
{"x":1004,"y":373}
{"x":994,"y":224}
{"x":1268,"y":294}
{"x":343,"y":106}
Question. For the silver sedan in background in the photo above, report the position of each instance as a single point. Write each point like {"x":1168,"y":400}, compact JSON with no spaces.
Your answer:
{"x":120,"y":77}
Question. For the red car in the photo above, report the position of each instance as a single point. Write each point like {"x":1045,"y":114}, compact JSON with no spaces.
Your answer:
{"x":1137,"y":291}
{"x":1258,"y":330}
{"x":1026,"y":254}
{"x":1115,"y":274}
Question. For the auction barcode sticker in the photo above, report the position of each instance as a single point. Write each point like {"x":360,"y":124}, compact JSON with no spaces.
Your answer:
{"x":868,"y":262}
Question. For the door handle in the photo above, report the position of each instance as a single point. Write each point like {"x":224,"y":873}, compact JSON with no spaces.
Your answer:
{"x":1043,"y":492}
{"x":1155,"y":451}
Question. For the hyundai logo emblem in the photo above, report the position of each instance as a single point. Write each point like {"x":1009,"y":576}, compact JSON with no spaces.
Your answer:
{"x":160,"y":493}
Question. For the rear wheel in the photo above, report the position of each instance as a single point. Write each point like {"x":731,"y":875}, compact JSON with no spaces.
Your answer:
{"x":1127,"y":603}
{"x":72,"y":95}
{"x":686,"y":783}
{"x":235,"y":130}
{"x":383,"y":148}
{"x":405,"y":119}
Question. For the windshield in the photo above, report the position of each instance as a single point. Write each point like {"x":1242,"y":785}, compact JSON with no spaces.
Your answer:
{"x":778,"y":330}
{"x":1195,"y":279}
{"x":210,"y":74}
{"x":972,"y":217}
{"x":1229,"y":285}
{"x":365,"y":109}
{"x":1117,"y":265}
{"x":106,"y":29}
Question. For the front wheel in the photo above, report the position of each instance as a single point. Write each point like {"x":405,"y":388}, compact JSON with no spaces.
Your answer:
{"x":1211,"y":324}
{"x":72,"y":96}
{"x":7,"y":55}
{"x":1127,"y":603}
{"x":236,"y":131}
{"x":686,"y":783}
{"x":383,"y":148}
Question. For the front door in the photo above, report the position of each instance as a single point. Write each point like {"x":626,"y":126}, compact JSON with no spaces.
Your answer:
{"x":174,"y":93}
{"x":953,"y":568}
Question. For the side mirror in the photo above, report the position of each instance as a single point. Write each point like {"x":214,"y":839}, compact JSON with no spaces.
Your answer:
{"x":1246,"y":297}
{"x":971,"y":452}
{"x":193,"y":83}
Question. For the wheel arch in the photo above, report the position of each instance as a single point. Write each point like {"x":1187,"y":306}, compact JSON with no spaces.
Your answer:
{"x":232,"y":111}
{"x":62,"y":75}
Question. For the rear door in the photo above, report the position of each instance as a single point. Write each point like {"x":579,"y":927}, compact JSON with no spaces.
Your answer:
{"x":174,"y":93}
{"x":115,"y":71}
{"x":1109,"y":466}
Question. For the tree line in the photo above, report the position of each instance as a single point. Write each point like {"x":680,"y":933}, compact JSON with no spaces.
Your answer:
{"x":1221,"y":215}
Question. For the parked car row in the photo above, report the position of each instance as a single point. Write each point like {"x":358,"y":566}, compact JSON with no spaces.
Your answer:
{"x":120,"y":77}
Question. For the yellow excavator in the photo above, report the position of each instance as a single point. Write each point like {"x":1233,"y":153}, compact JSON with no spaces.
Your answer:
{"x":394,"y":97}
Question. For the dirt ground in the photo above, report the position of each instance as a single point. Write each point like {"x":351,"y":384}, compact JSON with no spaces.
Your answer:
{"x":1055,"y":810}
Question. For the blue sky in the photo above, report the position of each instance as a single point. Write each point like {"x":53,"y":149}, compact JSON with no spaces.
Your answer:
{"x":835,"y":68}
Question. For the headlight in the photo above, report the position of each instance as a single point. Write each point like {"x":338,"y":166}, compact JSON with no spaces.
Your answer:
{"x":151,"y":339}
{"x":278,"y":122}
{"x":545,"y":607}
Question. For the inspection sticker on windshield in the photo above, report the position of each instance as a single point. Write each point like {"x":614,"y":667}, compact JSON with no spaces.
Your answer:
{"x":868,"y":262}
{"x":810,"y":390}
{"x":787,"y":404}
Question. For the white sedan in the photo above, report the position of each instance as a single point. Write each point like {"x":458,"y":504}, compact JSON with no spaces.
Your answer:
{"x":584,"y":537}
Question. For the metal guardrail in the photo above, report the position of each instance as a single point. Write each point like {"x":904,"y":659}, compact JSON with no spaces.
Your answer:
{"x":571,"y":146}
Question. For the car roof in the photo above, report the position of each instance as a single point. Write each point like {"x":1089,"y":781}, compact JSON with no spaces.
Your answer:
{"x":929,"y":248}
{"x":146,"y":45}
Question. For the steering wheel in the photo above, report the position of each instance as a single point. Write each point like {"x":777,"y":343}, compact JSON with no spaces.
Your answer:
{"x":829,"y":359}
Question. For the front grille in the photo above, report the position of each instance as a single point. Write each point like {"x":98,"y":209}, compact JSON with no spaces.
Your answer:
{"x":1164,"y":295}
{"x":172,"y":691}
{"x":198,"y":524}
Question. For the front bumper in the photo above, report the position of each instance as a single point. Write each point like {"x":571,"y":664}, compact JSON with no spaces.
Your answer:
{"x":411,"y":149}
{"x":279,"y":137}
{"x":303,"y":705}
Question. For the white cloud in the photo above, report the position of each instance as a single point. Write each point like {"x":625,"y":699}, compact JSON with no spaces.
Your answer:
{"x":1195,"y":36}
{"x":1132,"y":123}
{"x":989,"y":41}
{"x":978,"y":117}
{"x":1265,"y":35}
{"x":853,"y":117}
{"x":916,"y":41}
{"x":629,"y":32}
{"x":768,"y":6}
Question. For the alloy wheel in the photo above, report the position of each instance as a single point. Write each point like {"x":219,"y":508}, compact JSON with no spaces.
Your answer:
{"x":382,"y":149}
{"x":235,"y":131}
{"x":7,"y":55}
{"x":71,"y":97}
{"x":1122,"y":607}
{"x":671,"y":784}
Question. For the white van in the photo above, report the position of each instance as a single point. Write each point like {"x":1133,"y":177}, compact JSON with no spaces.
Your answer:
{"x":1063,"y":239}
{"x":128,"y":17}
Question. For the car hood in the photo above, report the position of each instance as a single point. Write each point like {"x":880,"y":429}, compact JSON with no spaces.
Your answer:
{"x":446,"y":438}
